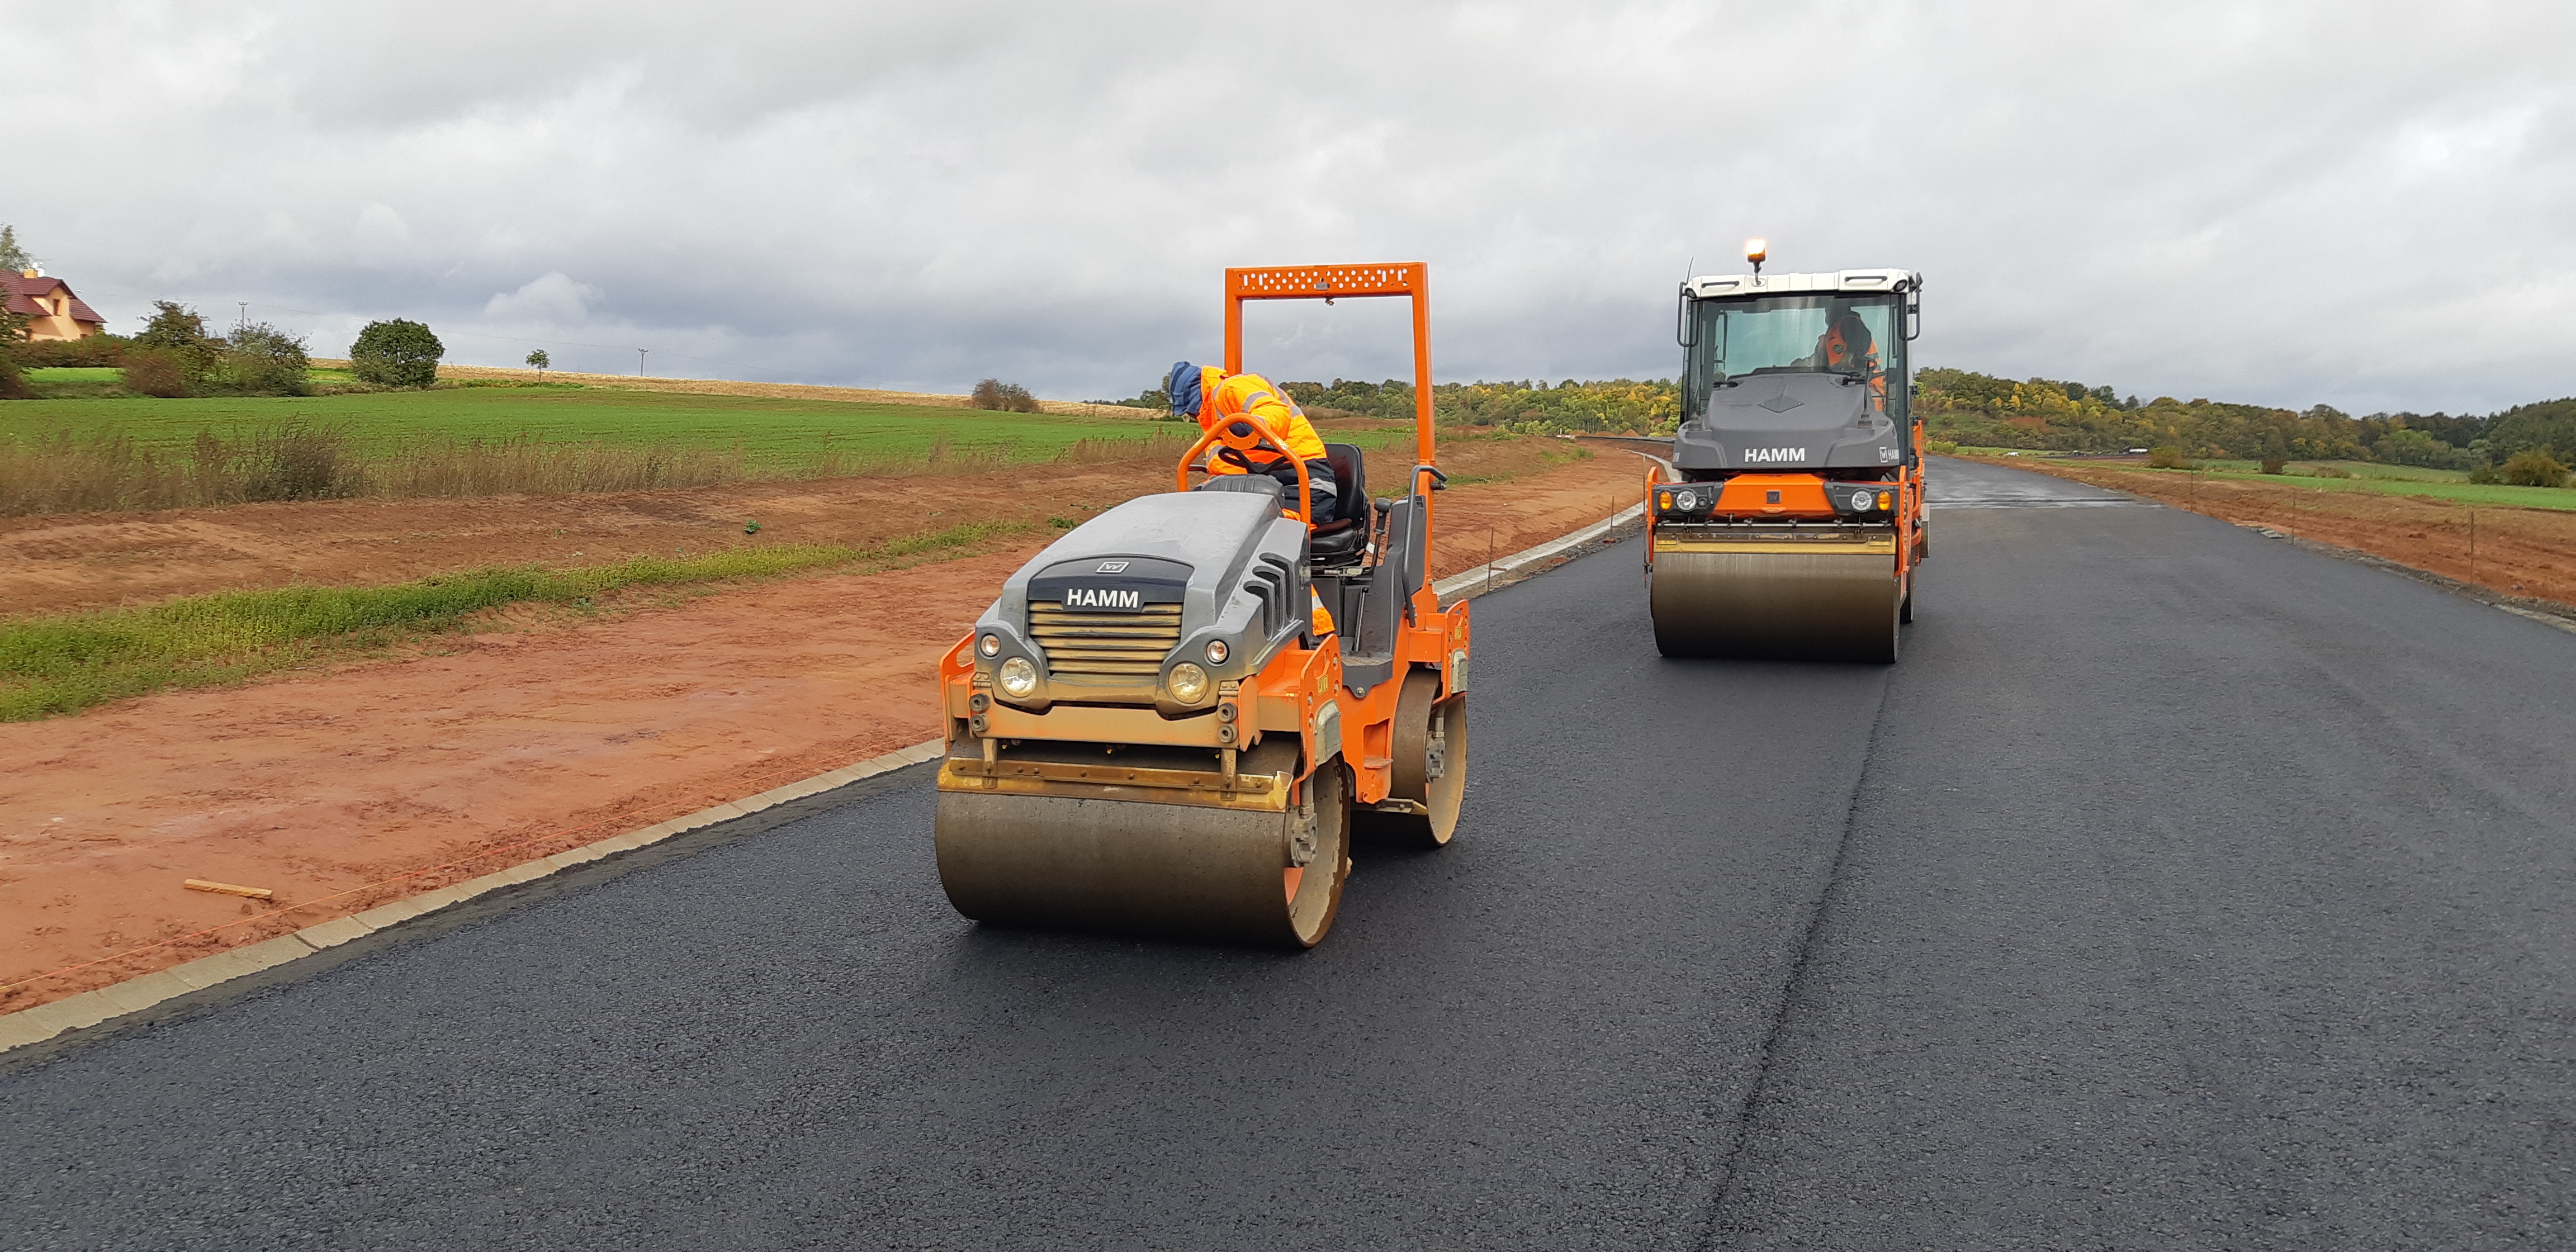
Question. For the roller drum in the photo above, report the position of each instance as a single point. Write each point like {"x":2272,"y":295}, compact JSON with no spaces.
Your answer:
{"x":1792,"y":605}
{"x":1144,"y":867}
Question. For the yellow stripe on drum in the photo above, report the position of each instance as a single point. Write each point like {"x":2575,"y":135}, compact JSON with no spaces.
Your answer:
{"x":1251,"y":795}
{"x":1822,"y":547}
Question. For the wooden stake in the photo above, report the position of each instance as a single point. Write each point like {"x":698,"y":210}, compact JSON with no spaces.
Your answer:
{"x":229,"y":889}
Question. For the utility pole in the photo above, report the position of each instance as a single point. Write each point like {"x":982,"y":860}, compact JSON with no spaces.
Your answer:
{"x":639,"y":361}
{"x":245,"y":315}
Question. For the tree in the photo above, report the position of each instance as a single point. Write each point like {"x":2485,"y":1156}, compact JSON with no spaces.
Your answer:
{"x":538,"y":360}
{"x":12,"y":257}
{"x":173,"y":356}
{"x":13,"y":331}
{"x":396,"y":353}
{"x":2534,"y":468}
{"x":993,"y":393}
{"x":173,"y":326}
{"x":260,"y":359}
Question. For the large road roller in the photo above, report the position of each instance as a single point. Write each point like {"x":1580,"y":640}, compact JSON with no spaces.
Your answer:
{"x":1154,"y":730}
{"x":1788,"y":521}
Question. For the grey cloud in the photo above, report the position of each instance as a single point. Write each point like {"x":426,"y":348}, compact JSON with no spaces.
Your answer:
{"x":2354,"y":203}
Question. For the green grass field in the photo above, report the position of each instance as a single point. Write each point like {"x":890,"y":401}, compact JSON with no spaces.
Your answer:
{"x":2369,"y":477}
{"x":73,"y":374}
{"x":63,"y":663}
{"x":768,"y":431}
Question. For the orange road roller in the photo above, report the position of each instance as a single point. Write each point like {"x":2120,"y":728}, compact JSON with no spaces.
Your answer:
{"x":1153,"y":729}
{"x":1789,"y":520}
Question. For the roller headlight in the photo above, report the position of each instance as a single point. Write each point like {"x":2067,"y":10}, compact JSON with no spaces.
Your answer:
{"x":1189,"y":683}
{"x":1685,"y":501}
{"x":990,"y":644}
{"x":1018,"y":676}
{"x":1216,"y":652}
{"x":1860,"y":502}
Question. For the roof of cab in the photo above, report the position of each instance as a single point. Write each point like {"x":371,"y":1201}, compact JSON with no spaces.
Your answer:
{"x":1794,"y":284}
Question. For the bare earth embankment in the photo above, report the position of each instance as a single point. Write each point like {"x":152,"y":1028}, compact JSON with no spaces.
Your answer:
{"x":2513,"y":551}
{"x":368,"y":781}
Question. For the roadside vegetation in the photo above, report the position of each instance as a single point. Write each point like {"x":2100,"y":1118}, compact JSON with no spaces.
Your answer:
{"x":2365,"y":477}
{"x":50,"y":666}
{"x":2520,"y":445}
{"x":1619,"y":406}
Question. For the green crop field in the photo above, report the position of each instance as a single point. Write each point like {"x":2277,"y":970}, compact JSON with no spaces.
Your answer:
{"x":768,"y":431}
{"x":2383,"y":480}
{"x":73,"y":374}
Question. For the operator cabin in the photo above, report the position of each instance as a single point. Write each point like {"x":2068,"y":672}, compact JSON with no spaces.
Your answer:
{"x":51,"y":310}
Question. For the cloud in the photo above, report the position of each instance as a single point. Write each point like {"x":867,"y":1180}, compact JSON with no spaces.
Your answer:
{"x":2357,"y":203}
{"x":553,"y":300}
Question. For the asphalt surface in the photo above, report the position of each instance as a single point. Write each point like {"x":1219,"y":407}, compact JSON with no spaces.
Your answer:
{"x":2179,"y":888}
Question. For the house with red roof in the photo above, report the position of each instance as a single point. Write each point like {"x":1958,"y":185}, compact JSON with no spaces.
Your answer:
{"x":51,"y":309}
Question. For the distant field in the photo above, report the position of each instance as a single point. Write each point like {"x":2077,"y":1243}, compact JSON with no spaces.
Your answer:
{"x":768,"y":431}
{"x":2369,"y":478}
{"x":73,"y":374}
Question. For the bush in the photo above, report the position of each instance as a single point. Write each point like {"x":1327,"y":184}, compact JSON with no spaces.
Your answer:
{"x":397,"y":353}
{"x":2534,"y":468}
{"x":2168,"y":457}
{"x":93,"y":352}
{"x":1940,"y":447}
{"x":261,"y":360}
{"x":157,"y":372}
{"x":2276,"y":465}
{"x":2484,"y":475}
{"x":993,"y":393}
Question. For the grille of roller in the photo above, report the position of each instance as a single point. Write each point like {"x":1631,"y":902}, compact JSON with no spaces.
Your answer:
{"x":1125,"y":645}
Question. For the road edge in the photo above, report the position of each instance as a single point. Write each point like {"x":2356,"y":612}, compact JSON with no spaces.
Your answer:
{"x":107,"y":1008}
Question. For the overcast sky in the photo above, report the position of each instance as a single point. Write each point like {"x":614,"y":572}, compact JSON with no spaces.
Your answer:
{"x":2355,"y":203}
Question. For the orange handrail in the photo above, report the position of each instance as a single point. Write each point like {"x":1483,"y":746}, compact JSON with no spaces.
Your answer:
{"x":1408,"y":279}
{"x":1246,"y":434}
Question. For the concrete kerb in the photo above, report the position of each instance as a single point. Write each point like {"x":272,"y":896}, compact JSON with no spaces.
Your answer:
{"x":1528,"y":562}
{"x":164,"y":991}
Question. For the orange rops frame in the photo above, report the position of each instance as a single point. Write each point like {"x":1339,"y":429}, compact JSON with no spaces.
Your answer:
{"x":1328,"y":283}
{"x":1332,"y":282}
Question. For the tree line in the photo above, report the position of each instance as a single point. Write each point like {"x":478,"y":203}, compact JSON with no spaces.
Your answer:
{"x":2045,"y":413}
{"x":1619,"y":406}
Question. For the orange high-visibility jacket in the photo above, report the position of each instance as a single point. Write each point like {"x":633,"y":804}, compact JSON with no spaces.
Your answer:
{"x":1223,"y":396}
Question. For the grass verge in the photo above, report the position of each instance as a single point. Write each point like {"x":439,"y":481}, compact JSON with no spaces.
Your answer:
{"x":52,"y":666}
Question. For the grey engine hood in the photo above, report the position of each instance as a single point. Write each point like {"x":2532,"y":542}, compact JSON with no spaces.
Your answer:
{"x":1789,"y":422}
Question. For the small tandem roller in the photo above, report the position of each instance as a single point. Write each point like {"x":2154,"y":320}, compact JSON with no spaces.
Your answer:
{"x":1790,"y":520}
{"x":1151,"y":731}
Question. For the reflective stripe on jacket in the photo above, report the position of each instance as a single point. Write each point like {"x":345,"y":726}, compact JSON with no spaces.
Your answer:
{"x":1228,"y":395}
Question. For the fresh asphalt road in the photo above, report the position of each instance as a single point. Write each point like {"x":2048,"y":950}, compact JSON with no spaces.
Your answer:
{"x":2179,"y":889}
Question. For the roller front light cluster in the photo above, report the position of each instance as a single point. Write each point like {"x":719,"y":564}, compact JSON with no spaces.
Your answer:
{"x":1189,"y":683}
{"x":1685,"y":503}
{"x":1861,"y":499}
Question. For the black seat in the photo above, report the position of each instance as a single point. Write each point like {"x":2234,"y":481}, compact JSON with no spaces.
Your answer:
{"x":1346,"y":532}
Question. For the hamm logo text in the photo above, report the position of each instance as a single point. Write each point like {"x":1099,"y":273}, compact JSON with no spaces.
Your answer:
{"x":1102,"y":598}
{"x":1758,"y":456}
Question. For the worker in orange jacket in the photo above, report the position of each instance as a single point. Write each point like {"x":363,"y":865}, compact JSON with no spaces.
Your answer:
{"x":1215,"y":397}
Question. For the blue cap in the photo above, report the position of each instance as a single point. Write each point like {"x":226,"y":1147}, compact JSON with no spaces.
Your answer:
{"x":1182,"y":385}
